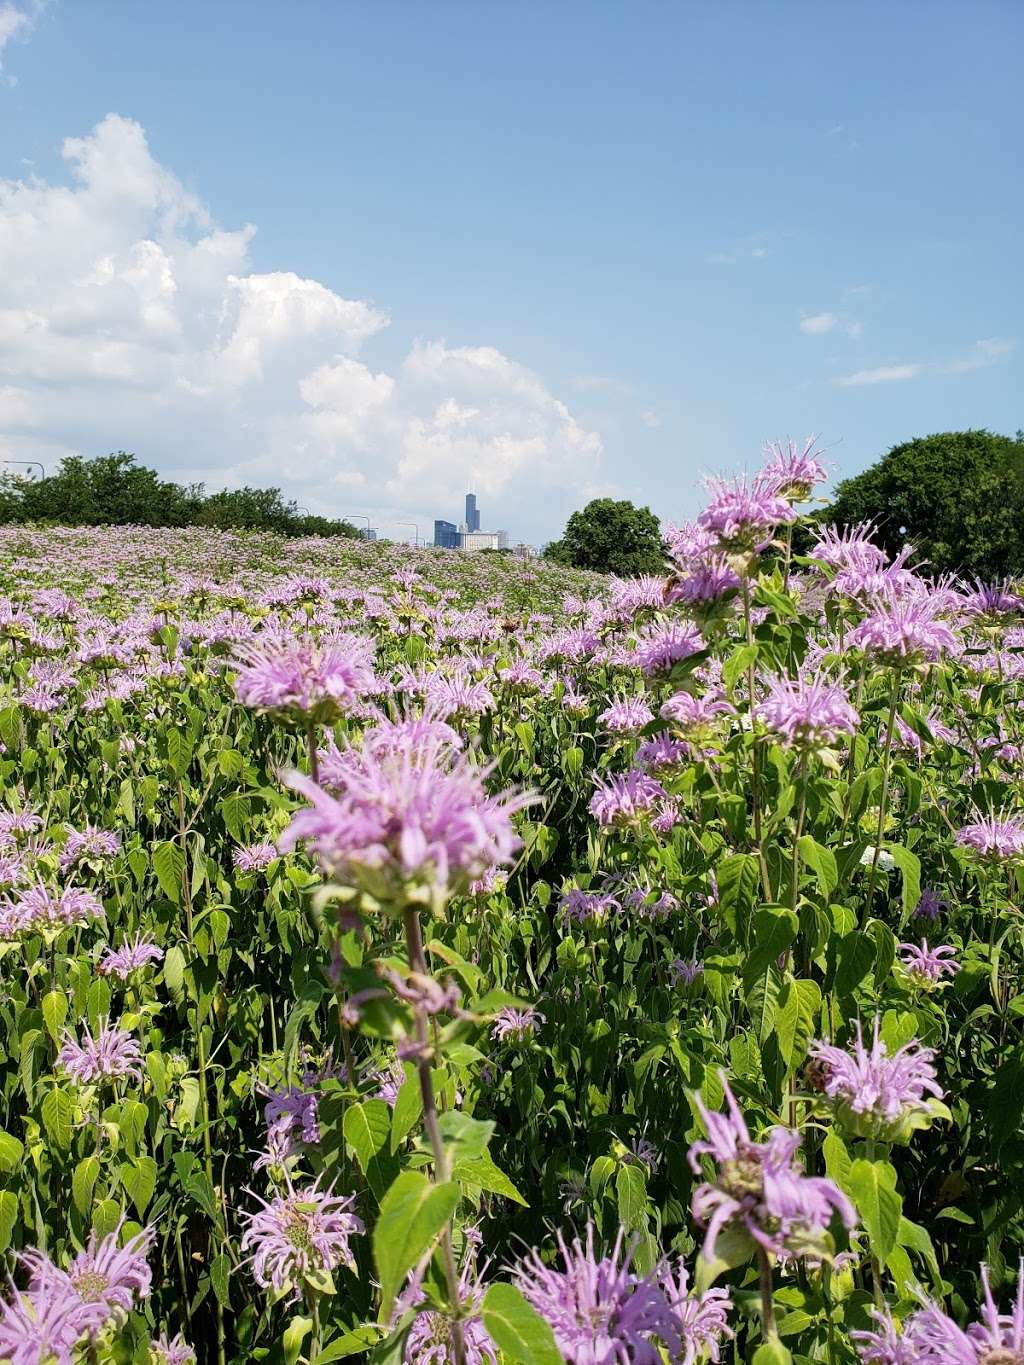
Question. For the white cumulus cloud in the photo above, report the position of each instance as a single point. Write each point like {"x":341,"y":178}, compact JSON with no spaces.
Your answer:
{"x":884,"y":374}
{"x":129,"y":319}
{"x":817,"y":324}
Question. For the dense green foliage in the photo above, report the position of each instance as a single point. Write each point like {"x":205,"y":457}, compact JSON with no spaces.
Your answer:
{"x":610,"y":537}
{"x":957,"y":497}
{"x":113,"y":490}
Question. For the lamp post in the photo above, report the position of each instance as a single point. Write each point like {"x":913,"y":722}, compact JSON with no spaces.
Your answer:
{"x":415,"y":530}
{"x":347,"y":516}
{"x":32,"y":464}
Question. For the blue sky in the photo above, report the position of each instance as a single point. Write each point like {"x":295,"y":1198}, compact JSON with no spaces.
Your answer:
{"x":561,"y":249}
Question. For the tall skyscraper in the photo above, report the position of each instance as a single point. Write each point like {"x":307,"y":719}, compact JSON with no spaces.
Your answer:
{"x":446,"y":535}
{"x":472,"y":515}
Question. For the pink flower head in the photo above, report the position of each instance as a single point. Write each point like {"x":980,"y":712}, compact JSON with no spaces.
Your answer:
{"x":417,"y":814}
{"x":624,"y":799}
{"x":994,"y":837}
{"x":132,"y":955}
{"x":744,"y":513}
{"x":298,"y":677}
{"x":661,"y":646}
{"x":516,"y":1024}
{"x":927,"y":966}
{"x":879,"y":1096}
{"x":626,"y":715}
{"x":298,"y":1233}
{"x":807,"y":713}
{"x":761,"y":1187}
{"x":903,"y":633}
{"x":793,"y":470}
{"x":111,"y":1055}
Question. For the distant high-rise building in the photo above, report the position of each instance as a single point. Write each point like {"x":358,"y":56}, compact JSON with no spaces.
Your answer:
{"x":446,"y":535}
{"x":472,"y":515}
{"x":484,"y":540}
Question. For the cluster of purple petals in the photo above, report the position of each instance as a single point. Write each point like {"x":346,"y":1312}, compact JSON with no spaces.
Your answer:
{"x":793,"y":470}
{"x":298,"y":674}
{"x":807,"y":712}
{"x":603,"y":1312}
{"x":510,"y":1022}
{"x":61,"y":1310}
{"x":626,"y":715}
{"x":87,"y":845}
{"x":130,"y":957}
{"x":998,"y":837}
{"x":430,"y":1338}
{"x":415,"y":812}
{"x":904,"y":632}
{"x":110,"y":1054}
{"x":929,"y":965}
{"x":252,"y":858}
{"x":661,"y":646}
{"x":744,"y":513}
{"x":872,"y":1082}
{"x":624,"y":798}
{"x":41,"y":909}
{"x":761,"y":1186}
{"x":929,"y":1336}
{"x":301,"y":1231}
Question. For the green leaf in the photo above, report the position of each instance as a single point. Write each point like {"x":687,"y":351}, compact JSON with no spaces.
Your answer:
{"x":138,"y":1176}
{"x":8,"y":1217}
{"x":775,"y":929}
{"x":55,"y":1014}
{"x":294,"y":1335}
{"x":106,"y":1215}
{"x":179,"y":752}
{"x":909,"y":865}
{"x":169,"y":866}
{"x":220,"y":1278}
{"x":520,"y":1333}
{"x":873,"y":1187}
{"x":83,"y":1182}
{"x":360,"y":1339}
{"x":408,"y":1107}
{"x":483,"y":1174}
{"x":772,"y":1353}
{"x":412,"y":1216}
{"x":58,"y":1114}
{"x":822,"y":862}
{"x":174,"y":971}
{"x":230,"y":762}
{"x":367,"y":1127}
{"x":631,"y":1191}
{"x":737,"y":878}
{"x":199,"y":1187}
{"x":855,"y":956}
{"x":11,"y":1151}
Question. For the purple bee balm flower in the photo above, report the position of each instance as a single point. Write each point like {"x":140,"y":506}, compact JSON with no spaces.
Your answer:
{"x":171,"y":1351}
{"x":807,"y":713}
{"x":626,"y":715}
{"x":430,"y":1338}
{"x":849,"y":547}
{"x":661,"y":646}
{"x":876,"y":1095}
{"x":130,"y":957}
{"x":389,"y":1082}
{"x":107,"y":1273}
{"x":111,"y":1055}
{"x":299,"y":1233}
{"x":458,"y":696}
{"x":702,"y":1319}
{"x":44,"y":1324}
{"x":299,"y":677}
{"x":907,"y":738}
{"x":662,"y":753}
{"x":419,"y":815}
{"x":743,"y":513}
{"x":761,"y":1187}
{"x":930,"y":1337}
{"x":903,"y":633}
{"x":703,"y":584}
{"x":992,"y":603}
{"x":601,"y":1311}
{"x":626,"y":798}
{"x":513,"y":1023}
{"x":631,"y":595}
{"x":293,"y":1110}
{"x":793,"y":471}
{"x":588,"y":905}
{"x":696,"y":717}
{"x":927,"y":966}
{"x":42,"y":910}
{"x":87,"y":845}
{"x":685,"y":973}
{"x":994,"y":837}
{"x":253,"y":858}
{"x":19,"y":822}
{"x":931,"y":904}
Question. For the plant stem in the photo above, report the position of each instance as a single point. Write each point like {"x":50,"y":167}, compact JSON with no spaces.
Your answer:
{"x":442,"y":1174}
{"x":314,"y":762}
{"x":755,"y":759}
{"x":764,"y":1271}
{"x":883,"y":800}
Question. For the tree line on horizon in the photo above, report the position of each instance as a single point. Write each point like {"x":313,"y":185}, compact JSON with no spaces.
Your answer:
{"x":957,"y":497}
{"x":114,"y":490}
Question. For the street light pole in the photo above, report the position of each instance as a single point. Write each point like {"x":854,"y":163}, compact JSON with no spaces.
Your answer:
{"x":415,"y":530}
{"x":32,"y":464}
{"x":347,"y":516}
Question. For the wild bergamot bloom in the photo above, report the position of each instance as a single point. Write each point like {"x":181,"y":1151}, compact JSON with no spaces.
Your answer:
{"x":299,"y":1235}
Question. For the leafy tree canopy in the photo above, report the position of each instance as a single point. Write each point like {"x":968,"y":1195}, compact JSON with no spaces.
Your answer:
{"x":112,"y":490}
{"x":957,"y":497}
{"x":611,"y":537}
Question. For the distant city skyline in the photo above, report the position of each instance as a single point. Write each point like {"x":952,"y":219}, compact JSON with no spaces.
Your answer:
{"x":380,"y":253}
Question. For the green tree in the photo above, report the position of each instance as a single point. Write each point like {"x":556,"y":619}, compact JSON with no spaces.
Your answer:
{"x":611,"y":537}
{"x":957,"y":497}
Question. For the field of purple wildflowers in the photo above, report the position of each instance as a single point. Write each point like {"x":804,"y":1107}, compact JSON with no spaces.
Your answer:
{"x":437,"y":958}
